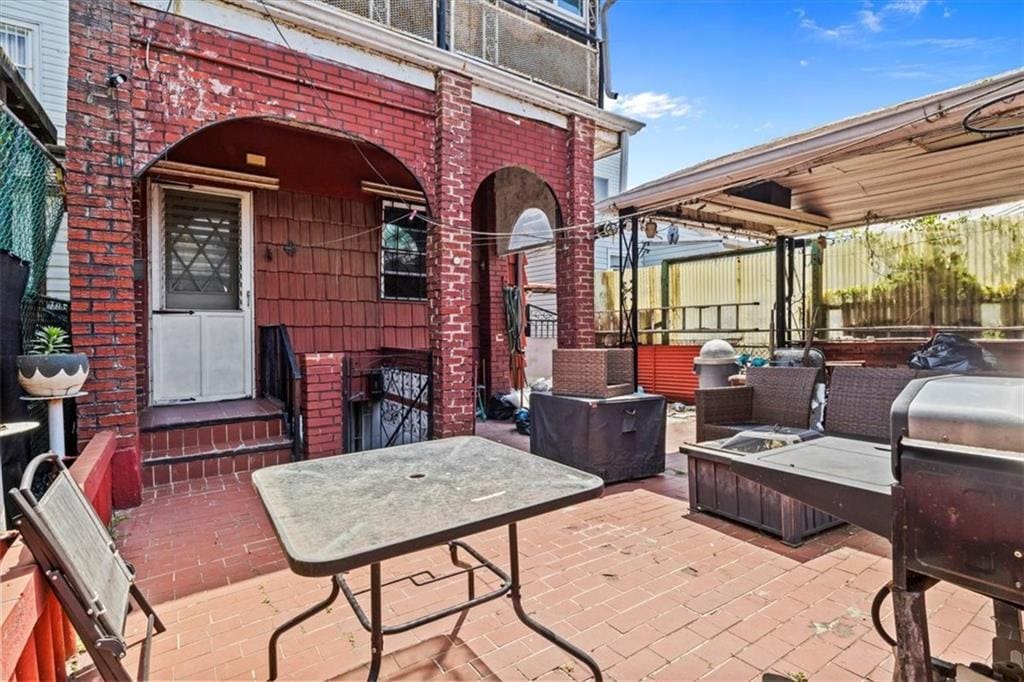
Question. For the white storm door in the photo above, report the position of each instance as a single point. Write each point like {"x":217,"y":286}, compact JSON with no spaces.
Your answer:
{"x":201,"y":324}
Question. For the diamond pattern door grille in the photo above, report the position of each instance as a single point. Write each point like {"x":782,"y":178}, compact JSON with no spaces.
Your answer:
{"x":201,"y":251}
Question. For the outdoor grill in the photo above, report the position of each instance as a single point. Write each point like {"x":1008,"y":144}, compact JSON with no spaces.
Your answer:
{"x":949,"y":496}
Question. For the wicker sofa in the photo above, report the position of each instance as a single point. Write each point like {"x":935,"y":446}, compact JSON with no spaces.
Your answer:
{"x":860,"y":398}
{"x":773,"y":396}
{"x":859,"y":401}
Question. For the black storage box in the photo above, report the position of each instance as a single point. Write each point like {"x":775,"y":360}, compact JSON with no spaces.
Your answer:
{"x":618,"y":439}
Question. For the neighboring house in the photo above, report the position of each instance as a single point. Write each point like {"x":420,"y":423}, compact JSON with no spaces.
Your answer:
{"x":35,"y":37}
{"x":243,"y":174}
{"x":609,"y":176}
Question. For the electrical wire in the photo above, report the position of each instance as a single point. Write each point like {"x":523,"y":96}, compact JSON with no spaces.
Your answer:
{"x":974,"y":113}
{"x":487,"y":237}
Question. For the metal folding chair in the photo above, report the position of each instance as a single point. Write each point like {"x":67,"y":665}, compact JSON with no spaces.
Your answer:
{"x":93,"y":583}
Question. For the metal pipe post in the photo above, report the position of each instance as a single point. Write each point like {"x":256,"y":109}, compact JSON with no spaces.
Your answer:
{"x":780,"y":292}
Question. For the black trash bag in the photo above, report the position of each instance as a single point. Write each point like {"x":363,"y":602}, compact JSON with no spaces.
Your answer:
{"x":498,"y":409}
{"x":952,"y":353}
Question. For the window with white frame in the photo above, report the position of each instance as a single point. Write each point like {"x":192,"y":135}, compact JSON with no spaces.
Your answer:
{"x":575,"y":8}
{"x":403,"y":253}
{"x":18,"y":43}
{"x":600,"y":188}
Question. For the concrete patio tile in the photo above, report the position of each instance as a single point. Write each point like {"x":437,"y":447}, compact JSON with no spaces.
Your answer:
{"x":638,"y":666}
{"x":861,"y":658}
{"x":689,"y":667}
{"x":652,"y":590}
{"x":733,"y":669}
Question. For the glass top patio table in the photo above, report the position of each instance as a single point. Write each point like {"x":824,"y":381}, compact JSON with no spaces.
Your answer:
{"x":339,"y":513}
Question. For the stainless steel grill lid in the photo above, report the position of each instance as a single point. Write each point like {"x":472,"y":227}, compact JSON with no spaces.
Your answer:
{"x":973,"y":411}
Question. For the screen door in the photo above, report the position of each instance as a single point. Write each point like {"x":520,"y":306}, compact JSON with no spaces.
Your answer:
{"x":201,"y":283}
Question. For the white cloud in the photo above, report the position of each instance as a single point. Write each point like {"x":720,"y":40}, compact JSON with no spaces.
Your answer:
{"x":946,"y":13}
{"x":651,"y":105}
{"x":823,"y":32}
{"x":913,"y":7}
{"x":941,"y":43}
{"x":805,"y":62}
{"x":870,"y":20}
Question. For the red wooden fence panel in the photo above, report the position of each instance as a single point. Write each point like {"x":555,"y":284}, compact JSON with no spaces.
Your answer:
{"x":36,"y":638}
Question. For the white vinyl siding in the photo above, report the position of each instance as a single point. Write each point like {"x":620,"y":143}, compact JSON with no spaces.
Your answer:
{"x":48,"y":22}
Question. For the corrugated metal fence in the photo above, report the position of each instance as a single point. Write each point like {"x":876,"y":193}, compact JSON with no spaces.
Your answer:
{"x":983,"y":285}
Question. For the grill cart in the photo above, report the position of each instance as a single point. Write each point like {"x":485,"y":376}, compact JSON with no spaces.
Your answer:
{"x":949,"y":494}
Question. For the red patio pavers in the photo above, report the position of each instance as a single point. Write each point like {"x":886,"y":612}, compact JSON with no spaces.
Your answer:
{"x":654,"y":591}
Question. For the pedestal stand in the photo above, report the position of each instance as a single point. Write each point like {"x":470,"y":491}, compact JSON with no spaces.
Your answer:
{"x":55,"y":417}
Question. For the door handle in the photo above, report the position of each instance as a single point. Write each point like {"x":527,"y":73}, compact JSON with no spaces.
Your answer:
{"x":174,"y":312}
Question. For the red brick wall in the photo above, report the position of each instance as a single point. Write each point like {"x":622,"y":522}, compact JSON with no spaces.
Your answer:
{"x":321,"y":403}
{"x":502,"y":140}
{"x":99,"y":205}
{"x":186,"y":76}
{"x":449,"y":259}
{"x":574,"y":250}
{"x":199,"y":74}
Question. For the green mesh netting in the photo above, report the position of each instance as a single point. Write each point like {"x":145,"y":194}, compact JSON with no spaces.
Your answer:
{"x":31,"y":199}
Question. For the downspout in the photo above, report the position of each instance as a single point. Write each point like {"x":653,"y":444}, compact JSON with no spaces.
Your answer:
{"x":623,"y":161}
{"x":605,"y":73}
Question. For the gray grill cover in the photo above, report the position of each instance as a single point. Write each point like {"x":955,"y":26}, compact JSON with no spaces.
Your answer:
{"x":618,"y":439}
{"x":975,"y":411}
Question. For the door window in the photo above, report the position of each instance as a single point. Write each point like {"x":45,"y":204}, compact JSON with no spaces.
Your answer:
{"x":201,"y":250}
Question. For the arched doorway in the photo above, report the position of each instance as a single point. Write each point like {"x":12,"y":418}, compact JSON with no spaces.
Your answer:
{"x":515,"y":217}
{"x":257,"y":222}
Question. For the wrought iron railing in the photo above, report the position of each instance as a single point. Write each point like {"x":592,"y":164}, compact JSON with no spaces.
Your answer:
{"x":281,"y":379}
{"x":541,"y":323}
{"x":515,"y":35}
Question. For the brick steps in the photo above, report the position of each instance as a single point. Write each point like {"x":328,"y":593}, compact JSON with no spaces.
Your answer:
{"x":161,"y":467}
{"x":186,"y":443}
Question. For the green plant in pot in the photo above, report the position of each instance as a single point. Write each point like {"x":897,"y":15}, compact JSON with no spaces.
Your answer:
{"x":50,"y":370}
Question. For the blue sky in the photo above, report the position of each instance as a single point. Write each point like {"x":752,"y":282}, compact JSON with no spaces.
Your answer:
{"x":711,"y":77}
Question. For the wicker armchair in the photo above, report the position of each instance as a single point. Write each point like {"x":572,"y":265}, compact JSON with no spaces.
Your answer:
{"x":860,"y":398}
{"x":773,"y":396}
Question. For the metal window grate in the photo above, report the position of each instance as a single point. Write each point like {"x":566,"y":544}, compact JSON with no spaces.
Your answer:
{"x":417,"y":18}
{"x":201,"y":250}
{"x":515,"y":40}
{"x":403,"y":256}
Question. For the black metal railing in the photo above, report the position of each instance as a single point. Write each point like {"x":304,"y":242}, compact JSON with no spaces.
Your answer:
{"x":281,"y":379}
{"x":388,"y":398}
{"x":541,"y":323}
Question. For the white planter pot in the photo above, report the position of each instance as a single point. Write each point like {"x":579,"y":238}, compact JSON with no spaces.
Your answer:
{"x":52,"y":376}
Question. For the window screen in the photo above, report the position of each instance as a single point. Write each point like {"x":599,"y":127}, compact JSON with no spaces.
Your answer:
{"x":403,"y":255}
{"x":201,"y":250}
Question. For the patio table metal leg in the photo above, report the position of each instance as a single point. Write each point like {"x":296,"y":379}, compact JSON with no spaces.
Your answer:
{"x":517,"y":603}
{"x":292,"y":622}
{"x":376,"y":624}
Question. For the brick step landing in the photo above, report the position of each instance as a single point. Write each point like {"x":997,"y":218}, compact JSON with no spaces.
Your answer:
{"x":192,"y":441}
{"x":161,"y":467}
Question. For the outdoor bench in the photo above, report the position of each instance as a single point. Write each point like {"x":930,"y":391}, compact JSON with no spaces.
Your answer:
{"x":859,"y":401}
